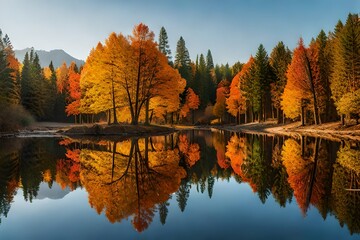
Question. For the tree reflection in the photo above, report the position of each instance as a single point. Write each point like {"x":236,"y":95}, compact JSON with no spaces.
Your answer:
{"x":136,"y":178}
{"x":129,"y":180}
{"x":345,"y":188}
{"x":281,"y":189}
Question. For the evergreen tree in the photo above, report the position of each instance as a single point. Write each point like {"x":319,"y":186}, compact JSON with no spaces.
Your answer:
{"x":183,"y":194}
{"x":321,"y":61}
{"x":236,"y":68}
{"x":203,"y":82}
{"x":209,"y":60}
{"x":9,"y":73}
{"x":26,"y":82}
{"x":211,"y":80}
{"x":183,"y":62}
{"x":33,"y":86}
{"x":251,"y":88}
{"x":280,"y":58}
{"x":262,"y":79}
{"x":345,"y":78}
{"x":164,"y":45}
{"x":163,"y":211}
{"x":51,"y":97}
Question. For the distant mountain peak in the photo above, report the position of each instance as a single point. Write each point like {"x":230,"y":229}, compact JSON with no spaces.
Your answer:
{"x":57,"y":56}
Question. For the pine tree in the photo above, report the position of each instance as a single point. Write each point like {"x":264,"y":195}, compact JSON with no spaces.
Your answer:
{"x":211,"y":77}
{"x":203,"y":82}
{"x":164,"y":45}
{"x":345,"y":78}
{"x":26,"y":87}
{"x":262,"y":80}
{"x":9,"y":73}
{"x":209,"y":60}
{"x":52,"y":94}
{"x":33,"y":88}
{"x":321,"y":61}
{"x":251,"y":88}
{"x":183,"y":62}
{"x":280,"y":58}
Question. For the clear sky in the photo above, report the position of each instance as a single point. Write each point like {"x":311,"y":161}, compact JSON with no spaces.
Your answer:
{"x":231,"y":29}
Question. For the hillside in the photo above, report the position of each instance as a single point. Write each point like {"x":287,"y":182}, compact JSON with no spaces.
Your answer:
{"x":58,"y":56}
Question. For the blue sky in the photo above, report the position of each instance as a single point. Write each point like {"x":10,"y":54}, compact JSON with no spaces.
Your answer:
{"x":231,"y":29}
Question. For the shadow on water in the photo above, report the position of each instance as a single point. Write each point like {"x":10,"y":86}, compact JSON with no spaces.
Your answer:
{"x":136,"y":178}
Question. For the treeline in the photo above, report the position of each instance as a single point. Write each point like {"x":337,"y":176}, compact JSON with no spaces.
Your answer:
{"x":316,"y":83}
{"x":31,"y":92}
{"x":134,"y":79}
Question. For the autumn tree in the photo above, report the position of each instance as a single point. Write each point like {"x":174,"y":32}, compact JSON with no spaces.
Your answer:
{"x":73,"y":106}
{"x":236,"y":152}
{"x":134,"y":182}
{"x":129,"y":74}
{"x":236,"y":101}
{"x":192,"y":103}
{"x":302,"y":88}
{"x":152,"y":71}
{"x":280,"y":58}
{"x":220,"y":106}
{"x":167,"y":97}
{"x":95,"y":85}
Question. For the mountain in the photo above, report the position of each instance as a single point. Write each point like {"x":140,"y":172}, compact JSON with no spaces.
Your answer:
{"x":57,"y":56}
{"x":55,"y":192}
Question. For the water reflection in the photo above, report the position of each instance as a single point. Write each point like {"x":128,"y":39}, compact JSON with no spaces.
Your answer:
{"x":135,"y":178}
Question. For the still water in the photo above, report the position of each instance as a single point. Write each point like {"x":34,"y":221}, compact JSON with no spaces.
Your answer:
{"x":188,"y":185}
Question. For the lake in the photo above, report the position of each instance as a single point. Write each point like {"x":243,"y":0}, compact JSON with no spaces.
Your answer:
{"x":187,"y":185}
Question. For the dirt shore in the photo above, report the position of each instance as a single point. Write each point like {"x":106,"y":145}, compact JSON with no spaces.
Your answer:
{"x":333,"y":131}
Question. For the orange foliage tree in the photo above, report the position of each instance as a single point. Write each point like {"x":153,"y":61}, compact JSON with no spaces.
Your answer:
{"x":130,"y":74}
{"x":302,"y":87}
{"x":192,"y":103}
{"x":236,"y":152}
{"x":191,"y":151}
{"x":73,"y":107}
{"x":221,"y":93}
{"x":236,"y":102}
{"x":128,"y":180}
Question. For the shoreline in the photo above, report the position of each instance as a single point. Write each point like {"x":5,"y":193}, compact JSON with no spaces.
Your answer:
{"x":331,"y":131}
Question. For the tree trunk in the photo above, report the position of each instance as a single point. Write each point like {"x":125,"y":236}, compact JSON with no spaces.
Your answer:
{"x":342,"y":119}
{"x":147,"y":104}
{"x":109,"y":117}
{"x":302,"y":115}
{"x":246,"y":116}
{"x":278,"y":115}
{"x":302,"y":141}
{"x":192,"y":116}
{"x":283,"y":117}
{"x":113,"y":100}
{"x":136,"y":118}
{"x":151,"y":115}
{"x":313,"y":90}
